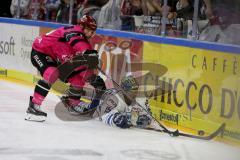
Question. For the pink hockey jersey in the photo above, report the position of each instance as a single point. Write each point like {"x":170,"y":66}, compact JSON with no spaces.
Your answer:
{"x":63,"y":43}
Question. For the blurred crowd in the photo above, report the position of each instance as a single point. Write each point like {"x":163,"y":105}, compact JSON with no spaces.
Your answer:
{"x":217,"y":20}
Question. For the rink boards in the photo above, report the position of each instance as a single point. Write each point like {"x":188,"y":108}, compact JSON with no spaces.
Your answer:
{"x":198,"y":81}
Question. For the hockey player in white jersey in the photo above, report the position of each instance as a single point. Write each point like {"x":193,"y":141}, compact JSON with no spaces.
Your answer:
{"x":121,"y":110}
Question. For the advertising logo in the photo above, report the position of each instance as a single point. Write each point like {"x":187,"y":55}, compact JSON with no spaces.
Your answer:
{"x":169,"y":117}
{"x":7,"y":47}
{"x":3,"y":72}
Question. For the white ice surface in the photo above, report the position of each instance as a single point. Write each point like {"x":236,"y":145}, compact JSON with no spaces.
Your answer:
{"x":60,"y":140}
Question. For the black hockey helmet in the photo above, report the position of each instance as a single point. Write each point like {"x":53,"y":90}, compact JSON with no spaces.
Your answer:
{"x":129,"y":83}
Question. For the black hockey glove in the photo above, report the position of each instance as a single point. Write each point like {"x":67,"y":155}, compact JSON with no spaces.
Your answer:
{"x":143,"y":121}
{"x":92,"y":58}
{"x":121,"y":120}
{"x":97,"y":82}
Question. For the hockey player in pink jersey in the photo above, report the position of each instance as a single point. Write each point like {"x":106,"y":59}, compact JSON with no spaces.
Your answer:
{"x":53,"y":50}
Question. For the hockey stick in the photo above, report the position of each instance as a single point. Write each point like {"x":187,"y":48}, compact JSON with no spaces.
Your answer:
{"x":209,"y":137}
{"x":164,"y":129}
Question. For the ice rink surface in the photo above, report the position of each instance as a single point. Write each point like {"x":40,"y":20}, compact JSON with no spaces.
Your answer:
{"x":89,"y":140}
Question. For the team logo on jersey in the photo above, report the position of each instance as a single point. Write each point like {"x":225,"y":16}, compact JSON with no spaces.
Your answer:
{"x":66,"y":58}
{"x":39,"y":39}
{"x":111,"y":103}
{"x":38,"y":60}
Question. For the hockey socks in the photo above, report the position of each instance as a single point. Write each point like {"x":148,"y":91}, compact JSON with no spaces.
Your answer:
{"x":41,"y":90}
{"x":34,"y":112}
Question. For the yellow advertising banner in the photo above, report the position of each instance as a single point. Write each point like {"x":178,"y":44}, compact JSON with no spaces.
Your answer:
{"x":203,"y":88}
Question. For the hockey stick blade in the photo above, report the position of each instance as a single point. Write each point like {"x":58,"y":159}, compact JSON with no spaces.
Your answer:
{"x":177,"y":133}
{"x":209,"y":137}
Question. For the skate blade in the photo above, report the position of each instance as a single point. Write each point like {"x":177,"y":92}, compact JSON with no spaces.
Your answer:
{"x":34,"y":118}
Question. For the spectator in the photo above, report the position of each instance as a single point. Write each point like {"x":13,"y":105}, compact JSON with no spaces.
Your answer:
{"x":128,"y":9}
{"x":224,"y":22}
{"x":64,"y":8}
{"x":5,"y":8}
{"x":109,"y":16}
{"x":152,"y":7}
{"x":24,"y":8}
{"x":63,"y":11}
{"x":152,"y":10}
{"x":184,"y":9}
{"x":92,"y":8}
{"x":222,"y":11}
{"x":132,"y":7}
{"x":79,"y":8}
{"x":36,"y":10}
{"x":51,"y":9}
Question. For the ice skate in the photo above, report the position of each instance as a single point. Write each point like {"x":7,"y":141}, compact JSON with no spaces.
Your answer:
{"x":34,"y":112}
{"x":81,"y":109}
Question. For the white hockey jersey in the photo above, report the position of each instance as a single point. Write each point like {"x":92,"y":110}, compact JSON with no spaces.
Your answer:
{"x":113,"y":101}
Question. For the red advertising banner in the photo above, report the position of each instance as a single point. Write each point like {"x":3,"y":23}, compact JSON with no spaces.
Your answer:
{"x":117,"y":55}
